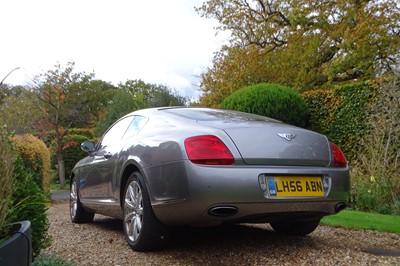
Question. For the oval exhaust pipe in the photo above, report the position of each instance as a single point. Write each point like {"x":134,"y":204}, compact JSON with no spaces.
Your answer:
{"x":340,"y":206}
{"x":223,"y":211}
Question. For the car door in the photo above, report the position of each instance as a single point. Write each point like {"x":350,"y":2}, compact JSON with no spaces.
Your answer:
{"x":95,"y":183}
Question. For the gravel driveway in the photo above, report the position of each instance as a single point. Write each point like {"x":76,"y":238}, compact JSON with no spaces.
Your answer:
{"x":102,"y":243}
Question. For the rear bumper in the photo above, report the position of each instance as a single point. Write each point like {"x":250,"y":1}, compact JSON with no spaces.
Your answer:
{"x":179,"y":214}
{"x":239,"y":188}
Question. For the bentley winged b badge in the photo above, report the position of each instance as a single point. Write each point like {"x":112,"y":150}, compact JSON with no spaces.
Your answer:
{"x":288,"y":137}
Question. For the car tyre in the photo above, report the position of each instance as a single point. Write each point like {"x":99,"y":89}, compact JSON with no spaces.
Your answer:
{"x":295,"y":228}
{"x":77,"y":212}
{"x":142,"y":229}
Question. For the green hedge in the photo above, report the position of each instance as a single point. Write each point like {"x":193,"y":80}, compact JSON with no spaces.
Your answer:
{"x":73,"y":152}
{"x":341,"y":114}
{"x":24,"y":186}
{"x":271,"y":100}
{"x":30,"y":202}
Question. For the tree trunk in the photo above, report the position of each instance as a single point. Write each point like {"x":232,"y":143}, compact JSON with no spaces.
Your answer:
{"x":61,"y":170}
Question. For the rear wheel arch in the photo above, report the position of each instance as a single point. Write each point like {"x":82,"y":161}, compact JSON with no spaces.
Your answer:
{"x":128,"y":171}
{"x":143,"y":231}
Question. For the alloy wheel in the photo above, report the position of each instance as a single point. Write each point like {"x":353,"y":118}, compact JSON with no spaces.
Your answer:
{"x":133,"y":211}
{"x":73,"y":199}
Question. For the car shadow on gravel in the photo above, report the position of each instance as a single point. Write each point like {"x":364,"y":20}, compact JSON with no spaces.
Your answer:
{"x":109,"y":224}
{"x":218,"y":237}
{"x":235,"y":235}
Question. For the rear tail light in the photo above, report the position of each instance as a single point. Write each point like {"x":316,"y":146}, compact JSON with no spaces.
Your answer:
{"x":338,"y":157}
{"x":208,"y":150}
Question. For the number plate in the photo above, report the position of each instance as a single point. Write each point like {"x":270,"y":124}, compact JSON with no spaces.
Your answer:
{"x":288,"y":186}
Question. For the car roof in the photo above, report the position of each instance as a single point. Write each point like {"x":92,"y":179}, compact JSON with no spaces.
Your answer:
{"x":203,"y":114}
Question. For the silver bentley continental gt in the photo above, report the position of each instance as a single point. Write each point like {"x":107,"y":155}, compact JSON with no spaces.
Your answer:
{"x":163,"y":167}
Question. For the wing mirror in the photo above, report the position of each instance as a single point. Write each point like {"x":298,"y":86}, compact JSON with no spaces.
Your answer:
{"x":88,"y":146}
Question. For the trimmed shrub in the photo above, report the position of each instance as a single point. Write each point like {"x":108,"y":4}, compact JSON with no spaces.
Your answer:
{"x":341,"y":114}
{"x":29,"y":202}
{"x":271,"y":100}
{"x":36,"y":156}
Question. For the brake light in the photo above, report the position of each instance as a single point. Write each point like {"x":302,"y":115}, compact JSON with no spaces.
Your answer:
{"x":338,"y":157}
{"x":208,"y":150}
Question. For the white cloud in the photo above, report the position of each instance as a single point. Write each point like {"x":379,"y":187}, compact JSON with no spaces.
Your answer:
{"x":163,"y":42}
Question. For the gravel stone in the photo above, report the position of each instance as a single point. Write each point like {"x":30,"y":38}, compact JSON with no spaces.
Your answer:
{"x":102,"y":243}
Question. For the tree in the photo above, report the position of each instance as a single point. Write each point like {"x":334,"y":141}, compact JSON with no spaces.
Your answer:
{"x":154,"y":95}
{"x":5,"y":90}
{"x":64,"y":98}
{"x":134,"y":95}
{"x":15,"y":106}
{"x":301,"y":44}
{"x":122,"y":104}
{"x":101,"y":95}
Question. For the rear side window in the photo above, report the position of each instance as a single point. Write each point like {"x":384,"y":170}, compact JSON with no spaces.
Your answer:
{"x":115,"y":133}
{"x":135,"y":126}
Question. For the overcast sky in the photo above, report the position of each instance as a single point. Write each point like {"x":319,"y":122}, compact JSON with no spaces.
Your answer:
{"x":159,"y":41}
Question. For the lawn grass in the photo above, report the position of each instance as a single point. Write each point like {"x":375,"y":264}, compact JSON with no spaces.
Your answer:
{"x":364,"y":220}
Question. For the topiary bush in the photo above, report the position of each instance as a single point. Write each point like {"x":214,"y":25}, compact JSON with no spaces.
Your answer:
{"x":36,"y":156}
{"x":271,"y":100}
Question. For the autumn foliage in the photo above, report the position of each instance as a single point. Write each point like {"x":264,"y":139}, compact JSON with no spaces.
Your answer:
{"x":302,"y":44}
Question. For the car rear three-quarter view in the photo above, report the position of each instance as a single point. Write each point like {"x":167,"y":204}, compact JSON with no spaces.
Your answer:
{"x":162,"y":167}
